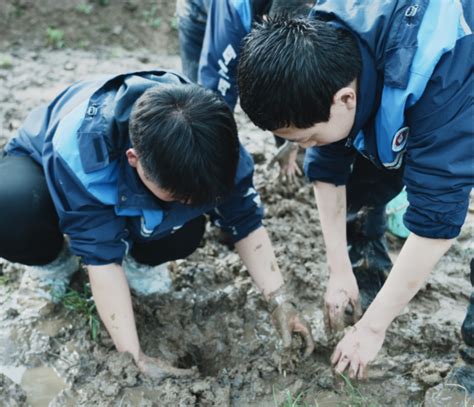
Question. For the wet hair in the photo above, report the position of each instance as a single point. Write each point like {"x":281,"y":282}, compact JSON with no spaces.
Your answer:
{"x":186,"y":141}
{"x":290,"y":69}
{"x":290,"y":8}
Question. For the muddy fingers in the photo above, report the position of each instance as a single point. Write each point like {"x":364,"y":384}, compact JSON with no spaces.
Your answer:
{"x":303,"y":328}
{"x":287,"y":320}
{"x":159,"y":370}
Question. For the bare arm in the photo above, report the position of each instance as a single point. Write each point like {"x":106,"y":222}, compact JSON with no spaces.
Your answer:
{"x":362,"y":343}
{"x":114,"y":304}
{"x":342,"y":287}
{"x":331,"y":202}
{"x":256,"y":252}
{"x":417,"y":259}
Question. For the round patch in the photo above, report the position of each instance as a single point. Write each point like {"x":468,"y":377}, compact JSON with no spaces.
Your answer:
{"x":400,"y":139}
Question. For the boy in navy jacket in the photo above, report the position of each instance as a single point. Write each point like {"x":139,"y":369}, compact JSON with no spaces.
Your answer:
{"x":378,"y":91}
{"x":126,"y":167}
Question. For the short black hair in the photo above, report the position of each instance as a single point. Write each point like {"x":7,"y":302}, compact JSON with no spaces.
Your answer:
{"x":290,"y":69}
{"x":186,"y":140}
{"x":290,"y":8}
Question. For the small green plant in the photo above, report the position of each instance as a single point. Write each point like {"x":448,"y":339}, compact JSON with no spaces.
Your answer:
{"x":155,"y":23}
{"x":84,"y":44}
{"x":84,"y":8}
{"x":174,"y":23}
{"x":354,"y":396}
{"x":83,"y":304}
{"x":5,"y":279}
{"x":293,"y":403}
{"x":290,"y":401}
{"x":55,"y":37}
{"x":6,"y":62}
{"x":151,"y":17}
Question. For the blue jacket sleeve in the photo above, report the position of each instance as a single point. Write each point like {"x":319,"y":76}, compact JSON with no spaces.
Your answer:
{"x":228,"y":23}
{"x":440,"y":150}
{"x":331,"y":163}
{"x":242,"y":212}
{"x":96,"y":233}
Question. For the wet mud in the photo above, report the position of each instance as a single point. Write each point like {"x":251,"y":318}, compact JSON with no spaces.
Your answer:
{"x":214,"y":319}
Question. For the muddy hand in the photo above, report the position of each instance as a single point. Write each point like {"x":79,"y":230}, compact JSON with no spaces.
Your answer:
{"x":287,"y":320}
{"x":356,"y":350}
{"x":157,"y":369}
{"x":286,"y":157}
{"x":341,"y":303}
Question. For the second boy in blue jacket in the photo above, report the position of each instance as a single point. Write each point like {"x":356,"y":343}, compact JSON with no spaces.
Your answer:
{"x":374,"y":90}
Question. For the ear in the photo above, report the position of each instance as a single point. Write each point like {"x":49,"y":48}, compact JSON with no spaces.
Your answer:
{"x":132,"y":157}
{"x":346,"y":97}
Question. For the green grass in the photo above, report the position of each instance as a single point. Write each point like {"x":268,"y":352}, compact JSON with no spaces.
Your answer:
{"x":151,"y":17}
{"x":5,"y":279}
{"x":290,"y":400}
{"x":174,"y":23}
{"x":55,"y":37}
{"x":6,"y":62}
{"x":351,"y":397}
{"x":82,"y":304}
{"x":84,"y":8}
{"x":354,"y":396}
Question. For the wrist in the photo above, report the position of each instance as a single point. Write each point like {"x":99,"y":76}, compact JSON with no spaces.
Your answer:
{"x":375,"y":326}
{"x":340,"y":265}
{"x":277,"y":298}
{"x":138,"y":357}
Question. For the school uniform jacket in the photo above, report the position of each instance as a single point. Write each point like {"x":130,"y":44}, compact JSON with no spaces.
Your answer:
{"x":80,"y":140}
{"x":228,"y":22}
{"x":414,"y":105}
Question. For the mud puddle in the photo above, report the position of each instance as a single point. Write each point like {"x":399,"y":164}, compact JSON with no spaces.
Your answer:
{"x":40,"y":384}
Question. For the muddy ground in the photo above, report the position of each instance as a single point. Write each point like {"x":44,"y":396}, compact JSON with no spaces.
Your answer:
{"x":214,"y":319}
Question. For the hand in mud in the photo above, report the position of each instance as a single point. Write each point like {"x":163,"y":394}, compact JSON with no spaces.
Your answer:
{"x":286,"y":158}
{"x":356,"y":350}
{"x":157,"y":369}
{"x":287,"y":320}
{"x":341,"y":302}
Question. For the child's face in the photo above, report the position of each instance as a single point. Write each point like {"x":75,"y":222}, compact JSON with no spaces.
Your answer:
{"x":156,"y":190}
{"x":338,"y":127}
{"x":159,"y":192}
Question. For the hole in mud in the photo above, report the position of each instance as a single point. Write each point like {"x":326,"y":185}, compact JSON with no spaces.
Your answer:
{"x":209,"y":361}
{"x":193,"y":357}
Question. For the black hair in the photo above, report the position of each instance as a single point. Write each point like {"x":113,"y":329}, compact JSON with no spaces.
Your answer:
{"x":290,"y":8}
{"x":186,"y":141}
{"x":290,"y":69}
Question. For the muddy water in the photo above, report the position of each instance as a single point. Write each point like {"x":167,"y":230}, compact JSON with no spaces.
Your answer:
{"x":215,"y":319}
{"x":40,"y":385}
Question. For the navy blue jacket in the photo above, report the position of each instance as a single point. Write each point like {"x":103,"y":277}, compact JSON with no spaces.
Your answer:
{"x":80,"y":139}
{"x":228,"y":22}
{"x":414,"y":106}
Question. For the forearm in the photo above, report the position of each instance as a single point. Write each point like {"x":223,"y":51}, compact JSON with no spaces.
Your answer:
{"x":257,"y":253}
{"x":114,"y":304}
{"x":331,"y":202}
{"x":416,"y":260}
